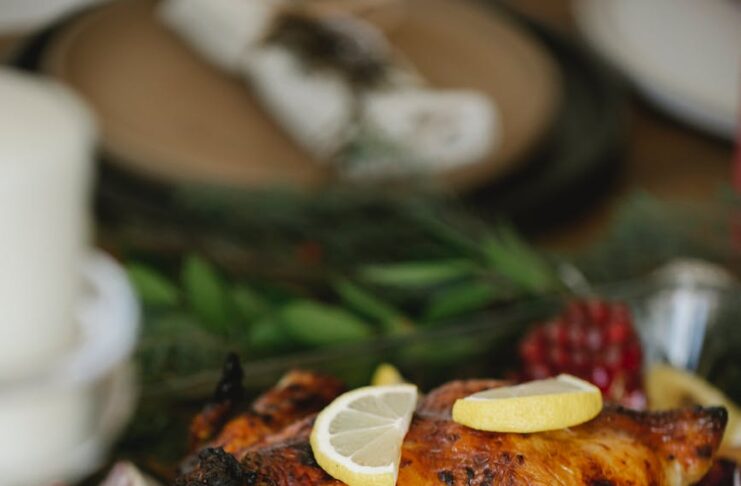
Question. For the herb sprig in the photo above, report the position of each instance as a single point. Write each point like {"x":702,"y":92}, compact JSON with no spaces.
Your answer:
{"x":193,"y":315}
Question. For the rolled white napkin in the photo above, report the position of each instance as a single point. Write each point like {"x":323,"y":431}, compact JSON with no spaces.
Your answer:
{"x":219,"y":30}
{"x":314,"y":106}
{"x":439,"y":129}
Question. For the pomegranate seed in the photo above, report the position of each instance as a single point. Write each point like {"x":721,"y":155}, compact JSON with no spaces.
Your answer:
{"x":532,"y":351}
{"x":598,"y":311}
{"x":632,"y":357}
{"x":601,"y":378}
{"x":559,"y":358}
{"x":557,"y":332}
{"x":633,"y":382}
{"x":577,"y":336}
{"x":594,"y":339}
{"x":618,"y":331}
{"x":578,"y":362}
{"x":614,"y":358}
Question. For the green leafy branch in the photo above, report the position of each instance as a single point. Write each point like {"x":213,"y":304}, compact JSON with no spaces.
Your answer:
{"x":195,"y":315}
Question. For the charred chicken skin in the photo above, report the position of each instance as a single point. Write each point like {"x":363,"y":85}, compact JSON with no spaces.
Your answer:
{"x":223,"y":424}
{"x":618,"y":448}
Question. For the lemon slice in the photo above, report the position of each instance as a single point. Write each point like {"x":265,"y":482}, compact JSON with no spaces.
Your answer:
{"x":668,"y":388}
{"x":536,"y":406}
{"x":387,"y":374}
{"x":357,"y":438}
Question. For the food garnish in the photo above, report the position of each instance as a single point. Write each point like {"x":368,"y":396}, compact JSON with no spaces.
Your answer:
{"x":387,"y":374}
{"x":537,"y":406}
{"x":357,"y":439}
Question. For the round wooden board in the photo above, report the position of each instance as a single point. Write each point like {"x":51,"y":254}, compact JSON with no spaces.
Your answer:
{"x":168,"y":115}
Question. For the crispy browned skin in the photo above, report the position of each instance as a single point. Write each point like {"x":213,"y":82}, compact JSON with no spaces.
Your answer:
{"x":299,"y":394}
{"x":618,"y":448}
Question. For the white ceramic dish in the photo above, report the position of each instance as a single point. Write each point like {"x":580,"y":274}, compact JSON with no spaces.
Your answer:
{"x":58,"y":425}
{"x":684,"y":55}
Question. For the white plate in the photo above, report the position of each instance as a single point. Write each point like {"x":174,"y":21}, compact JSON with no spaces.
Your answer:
{"x":684,"y":55}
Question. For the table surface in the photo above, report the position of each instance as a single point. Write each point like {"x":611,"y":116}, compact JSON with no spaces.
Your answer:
{"x":664,"y":157}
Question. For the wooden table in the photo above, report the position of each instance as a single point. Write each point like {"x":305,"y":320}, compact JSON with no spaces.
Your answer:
{"x":664,"y":157}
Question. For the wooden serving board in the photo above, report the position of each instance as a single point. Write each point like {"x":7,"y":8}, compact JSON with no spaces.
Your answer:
{"x":168,"y":115}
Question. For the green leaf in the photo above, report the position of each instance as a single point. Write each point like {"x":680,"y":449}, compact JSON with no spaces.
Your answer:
{"x":316,"y":324}
{"x":418,"y":274}
{"x":444,"y":232}
{"x":249,"y":304}
{"x":515,"y":260}
{"x":269,"y":335}
{"x":461,"y":299}
{"x":153,"y":288}
{"x":360,"y":300}
{"x":207,"y":294}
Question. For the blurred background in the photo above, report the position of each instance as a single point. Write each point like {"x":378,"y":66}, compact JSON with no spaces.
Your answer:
{"x":333,"y":184}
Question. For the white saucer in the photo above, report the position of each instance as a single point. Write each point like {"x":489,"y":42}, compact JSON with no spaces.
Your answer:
{"x":684,"y":55}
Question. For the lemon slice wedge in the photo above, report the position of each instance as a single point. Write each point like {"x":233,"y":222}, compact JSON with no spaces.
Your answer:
{"x":357,"y":439}
{"x":537,"y":406}
{"x":387,"y":374}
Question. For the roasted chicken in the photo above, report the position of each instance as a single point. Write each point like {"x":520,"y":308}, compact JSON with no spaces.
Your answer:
{"x":618,"y":448}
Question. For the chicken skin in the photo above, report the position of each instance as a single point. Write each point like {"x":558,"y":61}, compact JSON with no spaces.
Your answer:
{"x":298,"y":394}
{"x":618,"y":448}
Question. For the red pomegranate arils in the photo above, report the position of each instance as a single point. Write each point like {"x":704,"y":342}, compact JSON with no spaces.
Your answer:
{"x":594,"y":340}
